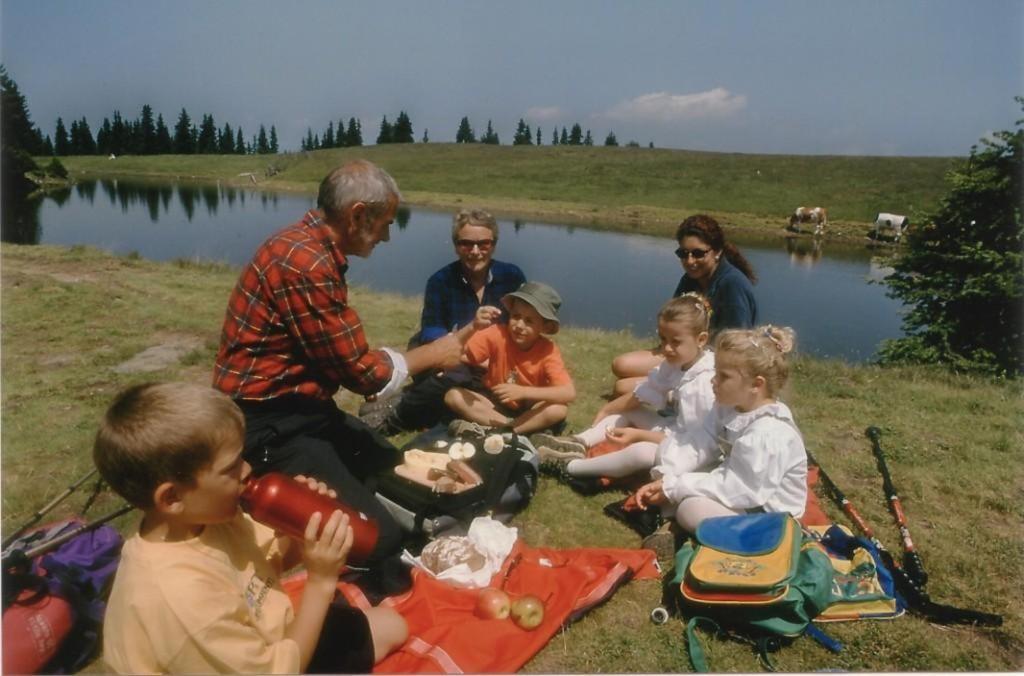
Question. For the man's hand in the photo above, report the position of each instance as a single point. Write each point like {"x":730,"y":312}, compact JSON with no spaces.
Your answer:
{"x":508,"y":393}
{"x":449,"y":352}
{"x":650,"y":494}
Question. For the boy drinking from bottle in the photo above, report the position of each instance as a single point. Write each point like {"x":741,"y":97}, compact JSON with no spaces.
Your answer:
{"x":198,"y":586}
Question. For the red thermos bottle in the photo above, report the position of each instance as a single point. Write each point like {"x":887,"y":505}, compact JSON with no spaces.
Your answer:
{"x":284,"y":504}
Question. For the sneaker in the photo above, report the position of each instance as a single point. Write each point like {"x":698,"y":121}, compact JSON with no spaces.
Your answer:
{"x":377,"y":412}
{"x":560,"y":444}
{"x":662,"y":541}
{"x":466,"y":429}
{"x":644,"y":521}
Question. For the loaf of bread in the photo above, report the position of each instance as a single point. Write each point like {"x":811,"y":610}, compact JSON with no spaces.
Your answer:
{"x":451,"y":550}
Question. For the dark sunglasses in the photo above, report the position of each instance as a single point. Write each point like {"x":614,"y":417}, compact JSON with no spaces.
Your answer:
{"x":468,"y":244}
{"x":697,"y":254}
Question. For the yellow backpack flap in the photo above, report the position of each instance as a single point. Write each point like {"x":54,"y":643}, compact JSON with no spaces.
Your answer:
{"x":745,"y":559}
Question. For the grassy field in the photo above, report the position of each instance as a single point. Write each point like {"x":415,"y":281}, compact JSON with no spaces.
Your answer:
{"x":630,"y":189}
{"x":73,"y":317}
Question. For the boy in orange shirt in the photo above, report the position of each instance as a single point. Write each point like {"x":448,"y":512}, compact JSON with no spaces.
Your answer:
{"x":524,"y":384}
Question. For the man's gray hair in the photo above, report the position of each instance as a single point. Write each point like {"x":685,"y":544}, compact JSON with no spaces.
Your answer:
{"x":479,"y":217}
{"x":357,"y":181}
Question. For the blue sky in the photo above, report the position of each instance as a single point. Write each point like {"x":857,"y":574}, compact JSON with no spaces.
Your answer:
{"x":786,"y":76}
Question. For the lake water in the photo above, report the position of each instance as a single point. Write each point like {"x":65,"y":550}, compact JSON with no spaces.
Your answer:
{"x":607,"y":280}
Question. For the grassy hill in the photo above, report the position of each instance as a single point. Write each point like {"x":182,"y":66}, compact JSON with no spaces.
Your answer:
{"x":74,"y":319}
{"x":632,"y":189}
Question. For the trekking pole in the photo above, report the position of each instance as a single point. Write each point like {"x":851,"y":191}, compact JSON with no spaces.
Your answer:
{"x":914,"y":595}
{"x":912,"y":562}
{"x":18,"y":555}
{"x":44,"y":510}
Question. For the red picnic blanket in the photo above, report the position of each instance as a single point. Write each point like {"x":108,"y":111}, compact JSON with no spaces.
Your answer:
{"x":445,"y":636}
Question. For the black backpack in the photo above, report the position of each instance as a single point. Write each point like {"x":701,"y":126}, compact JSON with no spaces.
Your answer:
{"x":509,"y":480}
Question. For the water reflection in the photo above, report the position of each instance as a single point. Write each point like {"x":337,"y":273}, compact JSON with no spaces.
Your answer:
{"x":804,"y":252}
{"x":607,"y":280}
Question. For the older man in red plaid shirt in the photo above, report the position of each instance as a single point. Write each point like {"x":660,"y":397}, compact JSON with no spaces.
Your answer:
{"x":290,"y":340}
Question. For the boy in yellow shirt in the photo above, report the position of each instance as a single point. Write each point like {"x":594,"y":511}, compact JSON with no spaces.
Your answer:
{"x":197,"y":588}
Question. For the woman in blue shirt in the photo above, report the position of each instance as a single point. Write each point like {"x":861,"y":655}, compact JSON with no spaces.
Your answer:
{"x":712,"y":267}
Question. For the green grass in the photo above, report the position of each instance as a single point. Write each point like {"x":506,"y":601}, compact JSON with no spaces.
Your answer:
{"x":71,"y":316}
{"x":631,"y":189}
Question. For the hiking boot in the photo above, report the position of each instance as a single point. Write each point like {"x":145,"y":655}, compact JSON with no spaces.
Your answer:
{"x":661,"y":541}
{"x":466,"y":429}
{"x":378,"y":414}
{"x":559,"y":444}
{"x":554,"y":462}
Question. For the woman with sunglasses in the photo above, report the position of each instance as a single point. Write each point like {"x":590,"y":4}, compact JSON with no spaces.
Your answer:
{"x":712,"y":267}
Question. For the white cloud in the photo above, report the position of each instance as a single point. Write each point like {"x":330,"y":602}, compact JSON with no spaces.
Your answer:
{"x":544,"y":113}
{"x":666,"y":107}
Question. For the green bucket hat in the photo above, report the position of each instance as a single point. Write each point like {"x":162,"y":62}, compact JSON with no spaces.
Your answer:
{"x":541,"y":297}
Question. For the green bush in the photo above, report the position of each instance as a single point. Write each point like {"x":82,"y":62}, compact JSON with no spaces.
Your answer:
{"x":962,"y":272}
{"x":56,"y":169}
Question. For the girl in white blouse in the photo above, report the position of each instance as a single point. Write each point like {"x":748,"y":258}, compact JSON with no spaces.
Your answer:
{"x":763,"y":463}
{"x":675,"y":396}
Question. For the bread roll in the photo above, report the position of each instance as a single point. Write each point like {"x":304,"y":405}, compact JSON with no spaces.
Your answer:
{"x":451,"y":550}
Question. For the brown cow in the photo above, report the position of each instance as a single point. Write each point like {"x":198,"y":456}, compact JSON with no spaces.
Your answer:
{"x":816,"y":215}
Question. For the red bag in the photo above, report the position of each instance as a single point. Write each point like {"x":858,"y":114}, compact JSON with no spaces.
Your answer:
{"x":445,"y":636}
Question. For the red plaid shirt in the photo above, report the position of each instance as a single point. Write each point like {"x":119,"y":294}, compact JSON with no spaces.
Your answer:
{"x":288,"y":327}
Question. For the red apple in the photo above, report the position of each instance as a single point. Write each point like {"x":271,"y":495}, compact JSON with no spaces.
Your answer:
{"x":493,"y":604}
{"x":528,"y":612}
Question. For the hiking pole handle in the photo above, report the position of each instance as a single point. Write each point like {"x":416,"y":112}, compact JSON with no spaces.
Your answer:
{"x":44,"y":510}
{"x":912,"y":562}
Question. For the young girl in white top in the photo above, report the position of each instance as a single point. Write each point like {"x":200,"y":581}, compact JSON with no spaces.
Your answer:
{"x":681,"y":384}
{"x":764,"y":464}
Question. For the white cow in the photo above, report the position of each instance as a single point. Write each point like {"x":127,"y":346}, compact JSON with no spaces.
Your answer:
{"x":816,"y":215}
{"x":894,"y":222}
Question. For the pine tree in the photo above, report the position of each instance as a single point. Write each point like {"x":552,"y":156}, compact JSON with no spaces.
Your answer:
{"x":554,"y":136}
{"x":163,"y":137}
{"x":73,"y":139}
{"x":465,"y":133}
{"x":610,"y":140}
{"x":48,"y":146}
{"x":341,"y":137}
{"x":576,"y":135}
{"x":386,"y":133}
{"x":522,"y":136}
{"x":588,"y":140}
{"x":103,"y":136}
{"x":273,"y":140}
{"x":962,"y":275}
{"x":239,"y":142}
{"x":564,"y":139}
{"x":262,"y":145}
{"x":490,"y":136}
{"x":354,"y":135}
{"x":226,"y":141}
{"x":307,"y":143}
{"x":182,"y":135}
{"x":538,"y":135}
{"x":18,"y":132}
{"x":316,"y":142}
{"x":86,"y":142}
{"x":328,"y":141}
{"x":147,"y":132}
{"x":62,"y":143}
{"x":426,"y":137}
{"x":207,"y":141}
{"x":402,"y":131}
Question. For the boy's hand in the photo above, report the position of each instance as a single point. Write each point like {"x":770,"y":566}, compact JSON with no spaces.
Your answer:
{"x":317,"y":486}
{"x":623,"y":435}
{"x":325,"y":556}
{"x":508,"y":393}
{"x":485,"y":316}
{"x":650,"y":494}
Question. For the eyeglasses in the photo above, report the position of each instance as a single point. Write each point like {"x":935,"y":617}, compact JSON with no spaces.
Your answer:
{"x":468,"y":244}
{"x":697,"y":254}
